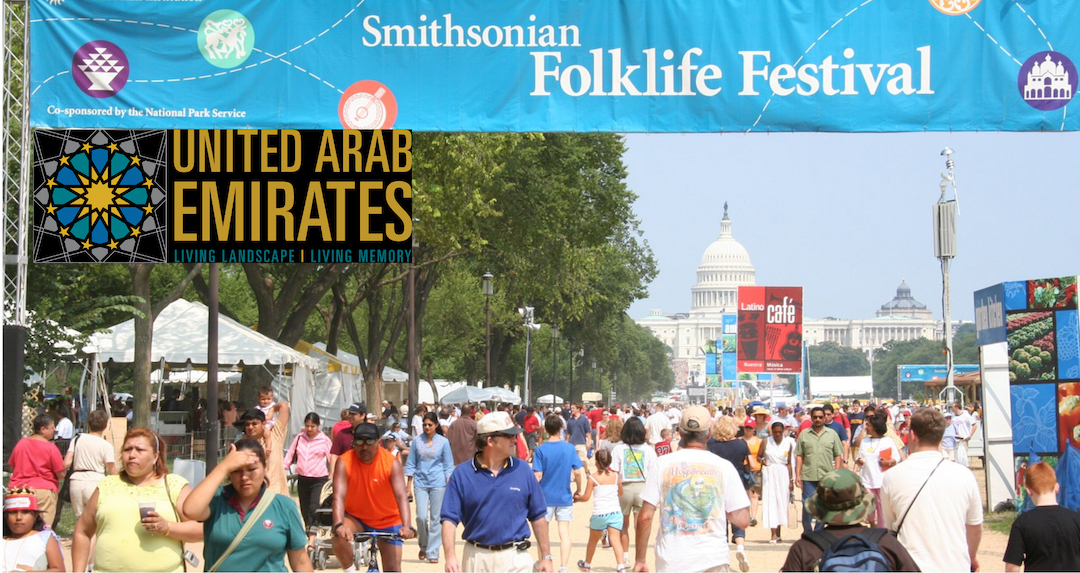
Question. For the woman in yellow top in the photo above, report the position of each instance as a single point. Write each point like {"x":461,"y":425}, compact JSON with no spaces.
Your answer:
{"x":134,"y":514}
{"x":754,"y":443}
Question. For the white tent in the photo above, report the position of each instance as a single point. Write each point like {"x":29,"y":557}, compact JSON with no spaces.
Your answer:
{"x":180,"y":339}
{"x":391,"y":377}
{"x":841,"y":385}
{"x":337,"y":383}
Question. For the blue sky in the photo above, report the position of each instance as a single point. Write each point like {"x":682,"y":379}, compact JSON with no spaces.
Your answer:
{"x":848,"y":216}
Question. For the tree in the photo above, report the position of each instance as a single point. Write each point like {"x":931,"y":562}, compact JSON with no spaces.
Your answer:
{"x":831,"y":359}
{"x":921,"y":351}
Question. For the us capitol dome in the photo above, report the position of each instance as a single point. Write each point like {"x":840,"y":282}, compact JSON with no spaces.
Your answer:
{"x":725,"y":266}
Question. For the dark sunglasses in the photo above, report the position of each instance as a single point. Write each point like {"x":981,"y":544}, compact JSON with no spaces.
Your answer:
{"x":366,"y":442}
{"x":818,"y":417}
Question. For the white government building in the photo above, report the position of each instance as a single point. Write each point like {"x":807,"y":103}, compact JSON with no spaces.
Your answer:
{"x":725,"y":266}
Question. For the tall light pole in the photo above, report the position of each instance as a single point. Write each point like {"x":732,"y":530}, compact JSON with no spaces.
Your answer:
{"x":945,"y":215}
{"x":526,"y":313}
{"x":488,"y":290}
{"x":554,"y":357}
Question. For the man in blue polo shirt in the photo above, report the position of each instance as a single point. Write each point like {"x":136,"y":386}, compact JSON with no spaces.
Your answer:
{"x":495,"y":496}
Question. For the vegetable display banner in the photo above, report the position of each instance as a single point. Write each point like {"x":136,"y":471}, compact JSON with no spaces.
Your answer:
{"x":1043,"y":339}
{"x":657,"y":66}
{"x":770,"y":329}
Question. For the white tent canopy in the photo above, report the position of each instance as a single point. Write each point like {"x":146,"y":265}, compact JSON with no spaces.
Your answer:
{"x":388,"y":374}
{"x":180,"y":339}
{"x":841,"y":385}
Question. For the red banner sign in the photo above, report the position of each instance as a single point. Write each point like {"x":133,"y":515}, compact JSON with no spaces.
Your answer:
{"x":770,"y":329}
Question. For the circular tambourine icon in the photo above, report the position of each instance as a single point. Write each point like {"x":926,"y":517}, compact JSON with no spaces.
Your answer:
{"x":367,"y":104}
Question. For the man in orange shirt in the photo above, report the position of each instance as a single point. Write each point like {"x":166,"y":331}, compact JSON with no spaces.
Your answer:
{"x":370,"y":495}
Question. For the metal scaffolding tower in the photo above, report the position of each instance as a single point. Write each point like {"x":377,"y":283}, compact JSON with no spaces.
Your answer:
{"x":15,"y":150}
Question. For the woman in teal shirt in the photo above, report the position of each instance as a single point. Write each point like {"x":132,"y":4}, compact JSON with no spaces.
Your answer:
{"x":225,"y":509}
{"x":429,"y":465}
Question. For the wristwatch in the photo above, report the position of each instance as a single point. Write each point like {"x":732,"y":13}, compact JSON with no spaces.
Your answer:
{"x":548,"y":558}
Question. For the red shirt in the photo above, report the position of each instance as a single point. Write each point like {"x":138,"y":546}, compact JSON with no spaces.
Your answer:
{"x":802,"y":426}
{"x":343,"y":438}
{"x":663,"y":448}
{"x":594,"y":416}
{"x":35,"y":463}
{"x":532,"y":424}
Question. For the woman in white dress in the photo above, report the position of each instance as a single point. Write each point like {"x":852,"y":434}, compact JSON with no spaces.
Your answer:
{"x":877,"y":453}
{"x":777,"y":459}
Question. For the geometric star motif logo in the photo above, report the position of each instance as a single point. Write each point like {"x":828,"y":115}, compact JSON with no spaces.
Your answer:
{"x":96,"y":197}
{"x":100,"y":195}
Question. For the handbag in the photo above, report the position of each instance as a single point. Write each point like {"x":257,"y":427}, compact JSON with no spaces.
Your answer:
{"x":65,"y":488}
{"x":252,"y":519}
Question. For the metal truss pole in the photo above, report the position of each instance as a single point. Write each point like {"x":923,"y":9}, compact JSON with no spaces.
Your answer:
{"x":15,"y":151}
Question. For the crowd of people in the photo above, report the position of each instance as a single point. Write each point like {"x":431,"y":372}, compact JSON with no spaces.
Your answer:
{"x":502,"y":479}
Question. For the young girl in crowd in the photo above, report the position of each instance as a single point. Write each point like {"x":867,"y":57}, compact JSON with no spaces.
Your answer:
{"x":607,"y":512}
{"x":28,"y":545}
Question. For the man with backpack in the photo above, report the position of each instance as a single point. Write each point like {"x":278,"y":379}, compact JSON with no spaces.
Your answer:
{"x":843,"y":505}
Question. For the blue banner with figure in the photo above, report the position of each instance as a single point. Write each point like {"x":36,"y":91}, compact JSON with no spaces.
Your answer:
{"x":556,"y":65}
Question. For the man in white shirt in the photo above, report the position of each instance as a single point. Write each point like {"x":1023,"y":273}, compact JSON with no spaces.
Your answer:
{"x":697,"y":494}
{"x":655,"y":424}
{"x":940,"y":524}
{"x":964,"y":425}
{"x":785,"y":416}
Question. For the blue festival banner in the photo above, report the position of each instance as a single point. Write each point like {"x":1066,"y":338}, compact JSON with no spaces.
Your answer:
{"x":990,"y":315}
{"x":556,"y":65}
{"x":927,"y":372}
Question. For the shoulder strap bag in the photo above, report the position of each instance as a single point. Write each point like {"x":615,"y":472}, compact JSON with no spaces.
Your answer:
{"x":902,"y":519}
{"x":252,"y":519}
{"x":65,"y":488}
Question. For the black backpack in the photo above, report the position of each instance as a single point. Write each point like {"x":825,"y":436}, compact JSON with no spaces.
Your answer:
{"x":855,"y":552}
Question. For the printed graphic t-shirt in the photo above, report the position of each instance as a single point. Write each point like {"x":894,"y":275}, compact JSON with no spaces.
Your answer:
{"x":694,"y":490}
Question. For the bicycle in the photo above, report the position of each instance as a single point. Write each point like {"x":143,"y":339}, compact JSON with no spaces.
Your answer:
{"x":366,"y":548}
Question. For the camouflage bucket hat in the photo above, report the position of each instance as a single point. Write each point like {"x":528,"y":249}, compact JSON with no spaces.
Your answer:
{"x":840,"y":499}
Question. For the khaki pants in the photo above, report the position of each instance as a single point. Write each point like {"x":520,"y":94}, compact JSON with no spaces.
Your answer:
{"x":583,"y":455}
{"x":46,"y":502}
{"x":81,"y":492}
{"x":488,"y":561}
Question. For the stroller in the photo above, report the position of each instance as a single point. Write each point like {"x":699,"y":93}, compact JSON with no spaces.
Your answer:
{"x":322,"y":547}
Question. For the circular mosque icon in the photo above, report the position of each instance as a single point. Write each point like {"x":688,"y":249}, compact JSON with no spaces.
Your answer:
{"x":367,"y":104}
{"x":99,"y":196}
{"x":1047,"y":81}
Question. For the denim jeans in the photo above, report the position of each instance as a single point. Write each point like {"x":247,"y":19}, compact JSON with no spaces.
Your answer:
{"x":808,"y":489}
{"x":429,"y":519}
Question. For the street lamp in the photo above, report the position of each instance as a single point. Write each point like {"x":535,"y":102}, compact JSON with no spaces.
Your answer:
{"x":554,"y":357}
{"x":488,"y":290}
{"x":526,"y":313}
{"x":945,"y":215}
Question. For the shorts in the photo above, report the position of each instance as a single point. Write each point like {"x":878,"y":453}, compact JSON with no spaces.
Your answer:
{"x":602,"y":522}
{"x":560,"y":513}
{"x":530,"y":441}
{"x":756,"y":488}
{"x":583,"y":455}
{"x":631,"y":497}
{"x":395,"y":529}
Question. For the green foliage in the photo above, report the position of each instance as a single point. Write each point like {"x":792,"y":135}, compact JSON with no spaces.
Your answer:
{"x":921,"y":351}
{"x":831,"y":359}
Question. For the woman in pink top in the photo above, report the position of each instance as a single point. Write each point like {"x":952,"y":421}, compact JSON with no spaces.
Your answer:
{"x":310,"y":451}
{"x":36,"y":463}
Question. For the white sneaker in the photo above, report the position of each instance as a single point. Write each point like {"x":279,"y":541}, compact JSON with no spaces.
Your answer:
{"x":744,"y":564}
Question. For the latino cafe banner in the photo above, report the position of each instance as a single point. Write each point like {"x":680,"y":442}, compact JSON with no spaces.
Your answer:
{"x":556,"y":65}
{"x":770,"y":321}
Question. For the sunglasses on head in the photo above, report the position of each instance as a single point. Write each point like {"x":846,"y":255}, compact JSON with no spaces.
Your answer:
{"x":366,"y":442}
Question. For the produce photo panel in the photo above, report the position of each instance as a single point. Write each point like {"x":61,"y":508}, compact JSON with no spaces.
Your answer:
{"x":1032,"y":346}
{"x":1068,"y":343}
{"x":1035,"y":418}
{"x":1068,"y":407}
{"x":1056,"y":293}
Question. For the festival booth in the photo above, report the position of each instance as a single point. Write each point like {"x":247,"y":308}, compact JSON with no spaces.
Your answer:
{"x":337,"y":383}
{"x":394,"y":380}
{"x":180,"y":341}
{"x":1029,"y":337}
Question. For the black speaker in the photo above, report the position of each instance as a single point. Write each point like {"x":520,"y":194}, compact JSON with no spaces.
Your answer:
{"x":14,"y":375}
